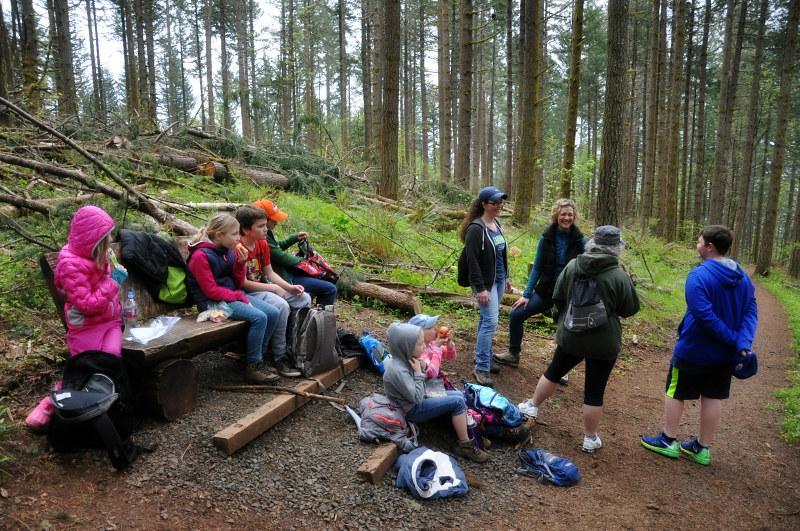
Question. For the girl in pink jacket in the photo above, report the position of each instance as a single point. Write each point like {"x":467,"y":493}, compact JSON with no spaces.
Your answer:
{"x":90,"y":288}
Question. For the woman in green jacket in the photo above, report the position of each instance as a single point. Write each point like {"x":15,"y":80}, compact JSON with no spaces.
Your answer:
{"x":598,"y":346}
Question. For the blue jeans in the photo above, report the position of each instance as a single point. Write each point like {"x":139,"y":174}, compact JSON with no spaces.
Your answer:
{"x":487,"y":325}
{"x":262,"y":318}
{"x":430,"y":408}
{"x":324,"y":290}
{"x":518,"y":316}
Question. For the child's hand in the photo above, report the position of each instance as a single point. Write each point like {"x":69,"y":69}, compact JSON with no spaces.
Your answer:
{"x":302,"y":235}
{"x":416,"y":364}
{"x":241,"y":253}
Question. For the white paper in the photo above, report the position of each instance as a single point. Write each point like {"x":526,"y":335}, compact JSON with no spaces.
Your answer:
{"x":157,"y":328}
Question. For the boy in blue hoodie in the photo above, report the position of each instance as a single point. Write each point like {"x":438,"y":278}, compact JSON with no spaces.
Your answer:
{"x":715,"y":334}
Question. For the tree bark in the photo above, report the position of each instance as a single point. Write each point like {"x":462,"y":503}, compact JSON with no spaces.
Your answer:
{"x":574,"y":86}
{"x":445,"y":93}
{"x":389,"y":183}
{"x":343,"y":109}
{"x":700,"y":174}
{"x":781,"y":130}
{"x":244,"y":84}
{"x":613,"y":115}
{"x":462,"y":166}
{"x":401,"y":300}
{"x":30,"y":57}
{"x":423,"y":92}
{"x":366,"y":74}
{"x":651,"y":139}
{"x":748,"y":155}
{"x":65,"y":73}
{"x":227,"y":119}
{"x":212,"y":123}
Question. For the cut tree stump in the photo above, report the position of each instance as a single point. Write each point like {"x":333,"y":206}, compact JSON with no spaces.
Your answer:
{"x":171,"y":388}
{"x":381,"y":460}
{"x":254,"y":424}
{"x":214,"y":169}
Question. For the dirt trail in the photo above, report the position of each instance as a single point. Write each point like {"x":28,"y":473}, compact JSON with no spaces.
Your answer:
{"x":754,"y":477}
{"x":753,"y":480}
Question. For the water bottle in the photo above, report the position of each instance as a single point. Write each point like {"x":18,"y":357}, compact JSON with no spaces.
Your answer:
{"x":130,"y":315}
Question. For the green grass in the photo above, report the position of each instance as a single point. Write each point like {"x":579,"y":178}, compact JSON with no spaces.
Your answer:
{"x":6,"y":427}
{"x":787,"y":290}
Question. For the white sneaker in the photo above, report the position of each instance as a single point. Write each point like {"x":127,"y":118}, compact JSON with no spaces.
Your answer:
{"x":528,"y":409}
{"x":564,"y":379}
{"x":590,"y":445}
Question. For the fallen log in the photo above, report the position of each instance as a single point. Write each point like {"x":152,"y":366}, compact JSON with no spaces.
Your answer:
{"x":274,"y":388}
{"x":251,"y":426}
{"x":214,"y":169}
{"x":266,"y":178}
{"x":183,"y":163}
{"x":408,"y":302}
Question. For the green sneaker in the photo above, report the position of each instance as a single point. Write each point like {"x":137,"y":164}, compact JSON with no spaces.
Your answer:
{"x":701,"y":454}
{"x":660,"y":445}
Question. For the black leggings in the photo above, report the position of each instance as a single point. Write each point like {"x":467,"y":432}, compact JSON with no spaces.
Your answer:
{"x":597,"y":373}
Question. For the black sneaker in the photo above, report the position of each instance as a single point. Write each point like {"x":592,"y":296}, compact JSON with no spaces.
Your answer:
{"x":284,"y":369}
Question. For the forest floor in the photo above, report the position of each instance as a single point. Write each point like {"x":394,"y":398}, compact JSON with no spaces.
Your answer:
{"x":753,"y":480}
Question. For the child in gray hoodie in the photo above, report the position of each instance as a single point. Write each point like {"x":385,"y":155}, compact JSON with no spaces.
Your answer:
{"x":404,"y":385}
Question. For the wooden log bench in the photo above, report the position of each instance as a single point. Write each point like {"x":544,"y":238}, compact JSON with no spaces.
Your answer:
{"x":172,"y":383}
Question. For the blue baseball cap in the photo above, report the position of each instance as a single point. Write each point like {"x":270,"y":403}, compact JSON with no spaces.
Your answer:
{"x":423,"y":320}
{"x":746,"y":367}
{"x":491,"y":193}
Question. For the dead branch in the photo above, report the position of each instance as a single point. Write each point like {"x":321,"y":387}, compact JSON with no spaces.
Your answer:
{"x":274,"y":388}
{"x":201,"y":134}
{"x":161,"y":135}
{"x":9,"y":224}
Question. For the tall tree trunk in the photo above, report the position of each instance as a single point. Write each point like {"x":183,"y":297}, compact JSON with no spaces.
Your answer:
{"x":366,"y":73}
{"x":794,"y":261}
{"x":378,"y":64}
{"x":651,"y":139}
{"x":30,"y":58}
{"x":445,"y":93}
{"x":727,"y":99}
{"x":199,"y":64}
{"x":488,"y":156}
{"x":423,"y":92}
{"x":781,"y":130}
{"x":389,"y":184}
{"x":700,"y":174}
{"x":538,"y":183}
{"x":67,"y":104}
{"x":662,"y":154}
{"x":209,"y":69}
{"x":343,"y":110}
{"x":509,"y":97}
{"x":749,"y":137}
{"x":787,"y":223}
{"x":573,"y":95}
{"x":687,"y":136}
{"x":614,"y":115}
{"x":408,"y":108}
{"x":628,"y":185}
{"x":133,"y":78}
{"x":5,"y":69}
{"x":93,"y":44}
{"x":670,"y":225}
{"x":144,"y":103}
{"x":257,"y":101}
{"x":227,"y":119}
{"x":149,"y":36}
{"x":462,"y":167}
{"x":529,"y":114}
{"x":241,"y":53}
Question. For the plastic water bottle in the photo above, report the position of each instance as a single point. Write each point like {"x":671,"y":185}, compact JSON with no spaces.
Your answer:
{"x":130,"y":315}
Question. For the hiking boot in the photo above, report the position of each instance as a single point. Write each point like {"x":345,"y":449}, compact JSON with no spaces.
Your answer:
{"x":528,"y":409}
{"x":284,"y":369}
{"x":259,"y":375}
{"x":469,"y":450}
{"x":590,"y":445}
{"x":507,"y":358}
{"x":660,"y":445}
{"x":701,"y":454}
{"x":516,"y":434}
{"x":494,"y":367}
{"x":483,"y":377}
{"x":564,"y":379}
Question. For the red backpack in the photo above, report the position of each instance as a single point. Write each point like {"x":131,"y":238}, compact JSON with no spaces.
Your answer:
{"x":313,"y":265}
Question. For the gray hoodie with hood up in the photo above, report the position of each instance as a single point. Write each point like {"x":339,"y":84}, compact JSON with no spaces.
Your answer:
{"x":404,"y":387}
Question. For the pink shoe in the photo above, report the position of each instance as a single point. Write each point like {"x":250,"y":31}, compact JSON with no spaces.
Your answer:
{"x":40,"y":416}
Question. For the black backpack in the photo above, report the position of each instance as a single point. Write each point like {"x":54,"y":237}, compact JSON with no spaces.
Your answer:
{"x":96,"y":406}
{"x":463,"y":269}
{"x":586,"y":309}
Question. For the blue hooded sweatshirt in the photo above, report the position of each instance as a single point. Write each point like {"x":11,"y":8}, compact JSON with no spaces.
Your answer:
{"x":721,"y":317}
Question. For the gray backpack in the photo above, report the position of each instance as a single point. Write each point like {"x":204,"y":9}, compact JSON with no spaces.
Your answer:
{"x":315,"y":347}
{"x":383,"y":421}
{"x":586,"y":308}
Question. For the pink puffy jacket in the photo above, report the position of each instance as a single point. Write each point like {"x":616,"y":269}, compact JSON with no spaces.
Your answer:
{"x":90,"y":294}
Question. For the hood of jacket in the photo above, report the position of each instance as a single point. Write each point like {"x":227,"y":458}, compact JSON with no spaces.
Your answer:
{"x":402,"y":338}
{"x":89,"y":226}
{"x":593,"y":262}
{"x":726,"y":271}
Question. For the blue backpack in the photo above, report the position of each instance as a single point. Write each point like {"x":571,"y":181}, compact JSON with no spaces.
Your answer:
{"x":376,"y":352}
{"x":499,"y":416}
{"x":545,"y":466}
